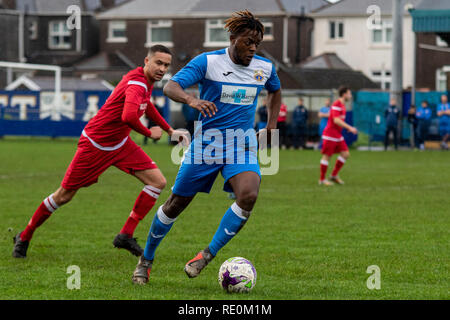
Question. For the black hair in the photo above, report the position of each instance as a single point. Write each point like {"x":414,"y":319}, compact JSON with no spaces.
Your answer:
{"x":241,"y":21}
{"x":159,"y":48}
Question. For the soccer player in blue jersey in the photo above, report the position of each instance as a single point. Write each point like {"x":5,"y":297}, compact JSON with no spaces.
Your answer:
{"x":230,"y":81}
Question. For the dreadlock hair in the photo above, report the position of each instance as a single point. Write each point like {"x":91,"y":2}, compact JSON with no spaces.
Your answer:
{"x":241,"y":21}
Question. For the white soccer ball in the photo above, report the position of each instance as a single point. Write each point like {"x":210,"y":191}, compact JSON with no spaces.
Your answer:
{"x":237,"y":275}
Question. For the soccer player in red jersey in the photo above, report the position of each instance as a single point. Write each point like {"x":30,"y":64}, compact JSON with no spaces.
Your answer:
{"x":333,"y":141}
{"x":105,"y":142}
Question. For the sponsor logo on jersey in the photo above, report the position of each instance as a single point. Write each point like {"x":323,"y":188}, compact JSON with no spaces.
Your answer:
{"x":238,"y":95}
{"x":258,"y":75}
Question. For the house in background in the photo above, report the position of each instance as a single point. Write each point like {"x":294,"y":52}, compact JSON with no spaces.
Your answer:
{"x":37,"y":32}
{"x":431,"y":24}
{"x":190,"y":27}
{"x":347,"y":28}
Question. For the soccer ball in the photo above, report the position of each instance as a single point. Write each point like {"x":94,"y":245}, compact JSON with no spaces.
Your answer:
{"x":237,"y":275}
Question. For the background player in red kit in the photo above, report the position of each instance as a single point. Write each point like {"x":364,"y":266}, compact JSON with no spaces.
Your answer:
{"x":333,"y":141}
{"x":105,"y":142}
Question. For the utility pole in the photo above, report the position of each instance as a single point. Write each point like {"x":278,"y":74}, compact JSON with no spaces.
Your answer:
{"x":397,"y":57}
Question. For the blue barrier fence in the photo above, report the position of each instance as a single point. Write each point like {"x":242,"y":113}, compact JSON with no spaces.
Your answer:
{"x":369,"y":109}
{"x":33,"y":113}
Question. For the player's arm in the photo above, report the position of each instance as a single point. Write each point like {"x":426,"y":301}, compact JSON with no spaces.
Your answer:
{"x":130,"y":112}
{"x":273,"y":109}
{"x":324,"y":114}
{"x":341,"y":123}
{"x":175,"y":92}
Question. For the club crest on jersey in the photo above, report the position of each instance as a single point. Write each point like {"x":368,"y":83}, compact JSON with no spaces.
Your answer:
{"x":258,"y":75}
{"x":143,"y":106}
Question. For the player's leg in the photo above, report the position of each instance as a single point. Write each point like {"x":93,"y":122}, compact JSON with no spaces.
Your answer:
{"x":191,"y":178}
{"x":154,"y":183}
{"x":246,"y":187}
{"x":43,"y":212}
{"x":327,"y":152}
{"x":340,"y":161}
{"x":133,"y":160}
{"x":161,"y":225}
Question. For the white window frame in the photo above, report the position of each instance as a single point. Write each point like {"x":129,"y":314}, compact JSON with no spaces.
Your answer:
{"x":385,"y":25}
{"x":116,"y":24}
{"x":440,"y":42}
{"x":61,"y":33}
{"x":209,"y":43}
{"x":441,"y":76}
{"x":33,"y":30}
{"x":268,"y":24}
{"x":159,"y":24}
{"x":383,"y":78}
{"x":336,"y":29}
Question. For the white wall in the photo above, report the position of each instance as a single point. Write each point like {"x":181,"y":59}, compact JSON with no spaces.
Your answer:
{"x":357,"y":49}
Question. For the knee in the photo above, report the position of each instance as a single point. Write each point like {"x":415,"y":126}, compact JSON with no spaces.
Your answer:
{"x":175,"y":205}
{"x":160,"y":183}
{"x":63,"y":197}
{"x":247,"y":199}
{"x":345,"y":155}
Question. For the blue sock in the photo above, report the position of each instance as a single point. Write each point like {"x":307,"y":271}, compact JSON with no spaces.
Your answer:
{"x":160,"y":227}
{"x":233,"y":220}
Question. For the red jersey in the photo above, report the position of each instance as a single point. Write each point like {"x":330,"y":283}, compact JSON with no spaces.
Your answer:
{"x":332,"y":131}
{"x":121,"y":112}
{"x":283,"y":113}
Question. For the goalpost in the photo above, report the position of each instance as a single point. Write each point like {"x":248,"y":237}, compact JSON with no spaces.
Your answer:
{"x":30,"y":66}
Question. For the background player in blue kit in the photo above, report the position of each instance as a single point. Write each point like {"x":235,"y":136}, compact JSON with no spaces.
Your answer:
{"x":230,"y":81}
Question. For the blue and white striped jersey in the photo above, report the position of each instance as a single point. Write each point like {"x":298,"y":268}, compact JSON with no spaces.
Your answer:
{"x":233,"y":88}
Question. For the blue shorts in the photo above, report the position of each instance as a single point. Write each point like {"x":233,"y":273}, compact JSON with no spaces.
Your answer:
{"x":193,"y":178}
{"x":444,"y":128}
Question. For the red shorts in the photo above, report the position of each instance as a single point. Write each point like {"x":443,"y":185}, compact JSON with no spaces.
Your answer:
{"x":331,"y":147}
{"x":90,"y":162}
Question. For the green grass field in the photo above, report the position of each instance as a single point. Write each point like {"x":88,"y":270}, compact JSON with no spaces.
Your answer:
{"x":306,"y":241}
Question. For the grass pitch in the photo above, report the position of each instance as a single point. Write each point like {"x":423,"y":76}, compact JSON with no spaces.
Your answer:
{"x":306,"y":241}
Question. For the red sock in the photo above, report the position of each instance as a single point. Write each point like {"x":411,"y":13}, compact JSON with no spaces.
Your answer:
{"x":144,"y":203}
{"x":43,"y":212}
{"x":323,"y":169}
{"x":338,"y":166}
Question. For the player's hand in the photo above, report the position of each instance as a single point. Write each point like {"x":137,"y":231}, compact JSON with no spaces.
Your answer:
{"x":156,"y":133}
{"x":182,"y":136}
{"x":353,"y":130}
{"x":205,"y":107}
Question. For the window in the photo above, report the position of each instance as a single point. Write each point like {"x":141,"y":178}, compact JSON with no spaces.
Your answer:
{"x":117,"y":31}
{"x":215,"y":34}
{"x":441,"y":42}
{"x":268,"y":29}
{"x":33,"y":30}
{"x":383,"y":78}
{"x":59,"y":37}
{"x":382,"y":34}
{"x":336,"y":30}
{"x":441,"y":78}
{"x":159,"y":32}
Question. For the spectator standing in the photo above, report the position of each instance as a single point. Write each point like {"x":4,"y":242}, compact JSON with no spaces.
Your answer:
{"x":392,"y":116}
{"x":443,"y":112}
{"x":324,"y":114}
{"x":412,"y":119}
{"x":281,"y":125}
{"x":299,"y":119}
{"x":190,"y":115}
{"x":262,"y":113}
{"x":423,"y":115}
